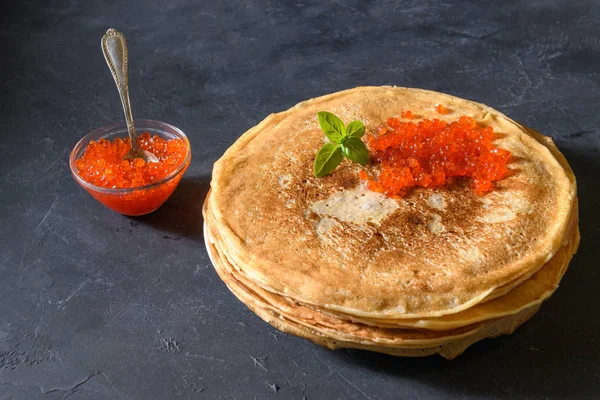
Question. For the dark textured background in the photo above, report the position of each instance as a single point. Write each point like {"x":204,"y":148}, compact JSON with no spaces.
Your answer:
{"x":97,"y":305}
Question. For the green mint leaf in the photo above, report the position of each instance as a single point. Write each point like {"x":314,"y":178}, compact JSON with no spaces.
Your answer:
{"x":355,"y":129}
{"x":329,"y":157}
{"x":332,"y":126}
{"x":355,"y":150}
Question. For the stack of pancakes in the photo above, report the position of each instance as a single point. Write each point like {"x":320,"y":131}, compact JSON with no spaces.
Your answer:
{"x":433,"y":272}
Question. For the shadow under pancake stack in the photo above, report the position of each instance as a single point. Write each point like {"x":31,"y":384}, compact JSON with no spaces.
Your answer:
{"x":431,"y":272}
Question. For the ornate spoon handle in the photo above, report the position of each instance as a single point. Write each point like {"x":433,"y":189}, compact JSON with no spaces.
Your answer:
{"x":114,"y":47}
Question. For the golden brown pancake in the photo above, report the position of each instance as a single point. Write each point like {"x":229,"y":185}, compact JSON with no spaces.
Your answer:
{"x":333,"y":333}
{"x":331,"y":244}
{"x":530,"y":293}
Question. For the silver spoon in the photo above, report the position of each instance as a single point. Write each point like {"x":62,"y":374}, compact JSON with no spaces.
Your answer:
{"x":114,"y":47}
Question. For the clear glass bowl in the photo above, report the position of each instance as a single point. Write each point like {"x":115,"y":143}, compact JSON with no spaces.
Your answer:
{"x":137,"y":200}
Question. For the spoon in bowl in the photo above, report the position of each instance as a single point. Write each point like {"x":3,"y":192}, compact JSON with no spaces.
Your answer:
{"x":114,"y":47}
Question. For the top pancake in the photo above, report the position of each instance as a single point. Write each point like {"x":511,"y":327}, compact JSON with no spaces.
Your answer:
{"x":332,"y":243}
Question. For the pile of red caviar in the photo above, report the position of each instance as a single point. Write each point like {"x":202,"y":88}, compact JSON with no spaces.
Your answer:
{"x":102,"y":163}
{"x":431,"y":152}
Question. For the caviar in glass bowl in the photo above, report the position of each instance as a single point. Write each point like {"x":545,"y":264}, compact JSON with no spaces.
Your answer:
{"x":131,"y":187}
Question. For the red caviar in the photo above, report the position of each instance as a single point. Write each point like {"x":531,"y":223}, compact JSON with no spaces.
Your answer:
{"x":102,"y":165}
{"x":406,"y":114}
{"x":441,"y":109}
{"x":431,"y":152}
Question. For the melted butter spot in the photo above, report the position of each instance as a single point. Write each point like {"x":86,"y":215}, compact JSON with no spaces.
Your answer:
{"x":325,"y":225}
{"x":435,"y":224}
{"x":284,"y":181}
{"x":520,"y":206}
{"x":500,"y":214}
{"x":358,"y":205}
{"x":437,"y":201}
{"x":503,"y":207}
{"x":470,"y":254}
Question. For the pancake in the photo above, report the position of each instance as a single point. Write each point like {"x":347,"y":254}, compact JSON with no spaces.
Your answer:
{"x":532,"y":292}
{"x":391,"y":341}
{"x":331,"y":244}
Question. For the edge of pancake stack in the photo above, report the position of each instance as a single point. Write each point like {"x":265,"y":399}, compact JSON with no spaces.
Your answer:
{"x":430,"y":273}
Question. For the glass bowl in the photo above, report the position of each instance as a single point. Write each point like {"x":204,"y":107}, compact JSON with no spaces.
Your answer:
{"x":137,"y":200}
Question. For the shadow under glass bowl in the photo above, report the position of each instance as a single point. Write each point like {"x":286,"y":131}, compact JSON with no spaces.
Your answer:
{"x":136,"y":200}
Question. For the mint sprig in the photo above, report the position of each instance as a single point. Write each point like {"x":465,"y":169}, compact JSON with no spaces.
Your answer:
{"x":345,"y":142}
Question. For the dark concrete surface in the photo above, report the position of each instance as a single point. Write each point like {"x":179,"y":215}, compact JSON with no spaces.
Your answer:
{"x":95,"y":305}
